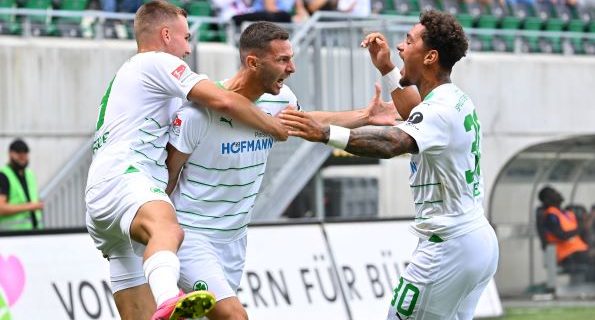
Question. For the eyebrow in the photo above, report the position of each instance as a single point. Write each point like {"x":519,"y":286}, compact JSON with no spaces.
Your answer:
{"x":409,"y":35}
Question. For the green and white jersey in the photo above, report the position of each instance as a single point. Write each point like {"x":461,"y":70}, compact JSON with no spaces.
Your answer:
{"x":446,"y":179}
{"x":221,"y":179}
{"x":134,"y":116}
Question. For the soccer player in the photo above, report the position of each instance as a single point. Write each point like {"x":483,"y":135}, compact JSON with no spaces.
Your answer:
{"x":225,"y":162}
{"x":457,"y":254}
{"x":128,"y":213}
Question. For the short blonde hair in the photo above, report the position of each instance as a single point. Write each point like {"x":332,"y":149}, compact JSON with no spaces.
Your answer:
{"x":153,"y":15}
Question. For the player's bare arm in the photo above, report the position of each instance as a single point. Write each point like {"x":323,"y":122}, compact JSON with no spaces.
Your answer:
{"x":380,"y":142}
{"x":377,"y":113}
{"x":404,"y":99}
{"x":175,"y":161}
{"x":206,"y":93}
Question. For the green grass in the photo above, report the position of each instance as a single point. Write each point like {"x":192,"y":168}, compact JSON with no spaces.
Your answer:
{"x":553,"y":313}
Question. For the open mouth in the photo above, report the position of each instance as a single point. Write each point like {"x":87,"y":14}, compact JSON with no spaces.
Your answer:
{"x":280,"y":83}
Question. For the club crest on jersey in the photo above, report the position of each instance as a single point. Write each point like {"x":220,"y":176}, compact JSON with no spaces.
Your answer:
{"x":176,"y":124}
{"x":179,"y":71}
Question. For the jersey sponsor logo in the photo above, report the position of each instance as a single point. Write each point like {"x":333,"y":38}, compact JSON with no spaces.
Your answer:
{"x":200,"y":285}
{"x":179,"y":71}
{"x":176,"y":124}
{"x":246,"y":146}
{"x":225,"y":120}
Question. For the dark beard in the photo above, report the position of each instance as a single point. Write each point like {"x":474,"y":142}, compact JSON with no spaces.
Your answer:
{"x":18,"y":167}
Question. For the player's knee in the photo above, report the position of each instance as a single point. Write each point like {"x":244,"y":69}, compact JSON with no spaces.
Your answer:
{"x":177,"y":233}
{"x":170,"y":231}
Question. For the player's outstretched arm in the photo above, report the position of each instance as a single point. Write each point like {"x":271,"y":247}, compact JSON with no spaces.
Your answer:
{"x":377,"y":113}
{"x":384,"y":142}
{"x":206,"y":93}
{"x":174,"y":162}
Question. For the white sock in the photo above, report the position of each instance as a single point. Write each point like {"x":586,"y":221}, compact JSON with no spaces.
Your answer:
{"x":162,"y":271}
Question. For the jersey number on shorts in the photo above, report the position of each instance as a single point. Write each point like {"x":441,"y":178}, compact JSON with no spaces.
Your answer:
{"x":472,"y":176}
{"x":410,"y":292}
{"x":103,"y":105}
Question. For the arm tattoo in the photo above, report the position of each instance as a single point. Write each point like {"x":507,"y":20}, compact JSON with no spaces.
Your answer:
{"x":380,"y":142}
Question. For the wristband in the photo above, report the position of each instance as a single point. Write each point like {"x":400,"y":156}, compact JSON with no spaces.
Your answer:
{"x":391,"y":80}
{"x":338,"y":137}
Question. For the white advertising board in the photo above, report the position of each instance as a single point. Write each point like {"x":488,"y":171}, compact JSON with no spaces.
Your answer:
{"x":289,"y":275}
{"x":54,"y":277}
{"x":370,"y":257}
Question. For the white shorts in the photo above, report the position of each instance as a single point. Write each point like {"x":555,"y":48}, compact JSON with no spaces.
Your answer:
{"x":445,"y":280}
{"x":111,"y":207}
{"x":206,"y":265}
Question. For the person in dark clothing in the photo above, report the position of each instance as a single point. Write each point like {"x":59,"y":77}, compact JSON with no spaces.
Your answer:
{"x":562,"y":229}
{"x":20,"y":208}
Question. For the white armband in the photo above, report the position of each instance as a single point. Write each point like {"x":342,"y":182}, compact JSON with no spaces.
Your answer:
{"x":338,"y":137}
{"x":391,"y":80}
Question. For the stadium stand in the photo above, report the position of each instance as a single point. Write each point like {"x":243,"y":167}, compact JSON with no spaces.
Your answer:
{"x":8,"y":22}
{"x":524,"y":26}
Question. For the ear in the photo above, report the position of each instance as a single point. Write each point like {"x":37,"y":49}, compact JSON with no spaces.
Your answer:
{"x":165,"y":35}
{"x":252,"y":62}
{"x":431,"y":57}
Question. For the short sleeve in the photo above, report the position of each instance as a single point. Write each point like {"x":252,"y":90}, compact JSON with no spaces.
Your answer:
{"x":171,"y":76}
{"x":429,"y":127}
{"x":188,"y":128}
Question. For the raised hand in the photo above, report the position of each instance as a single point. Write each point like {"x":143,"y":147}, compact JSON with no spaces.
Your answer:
{"x":379,"y":51}
{"x":381,"y":113}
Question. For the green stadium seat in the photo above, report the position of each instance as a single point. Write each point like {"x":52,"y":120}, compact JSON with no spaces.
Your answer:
{"x":207,"y":32}
{"x":41,"y":24}
{"x":8,"y":22}
{"x":71,"y":26}
{"x":465,"y":19}
{"x":510,"y":23}
{"x":407,"y":7}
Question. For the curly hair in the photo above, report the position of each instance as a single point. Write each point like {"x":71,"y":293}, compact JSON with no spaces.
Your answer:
{"x":444,"y":34}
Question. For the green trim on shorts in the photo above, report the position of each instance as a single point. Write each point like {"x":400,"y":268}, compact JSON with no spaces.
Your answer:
{"x":435,"y":238}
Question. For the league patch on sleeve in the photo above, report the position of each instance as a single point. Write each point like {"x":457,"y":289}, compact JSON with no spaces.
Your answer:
{"x":179,"y":71}
{"x":176,"y":124}
{"x":416,"y":117}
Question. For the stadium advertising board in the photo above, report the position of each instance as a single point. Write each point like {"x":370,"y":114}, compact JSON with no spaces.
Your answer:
{"x":54,"y":277}
{"x":371,"y":256}
{"x":290,"y":273}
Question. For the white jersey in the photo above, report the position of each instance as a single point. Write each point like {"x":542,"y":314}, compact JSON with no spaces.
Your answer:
{"x":133,"y":123}
{"x":219,"y":183}
{"x":446,"y":179}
